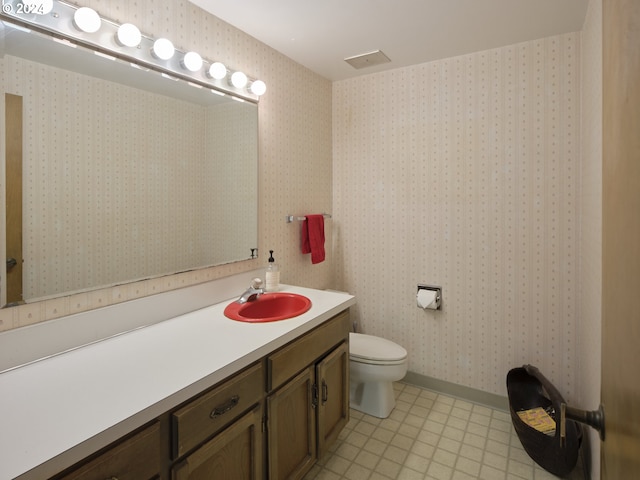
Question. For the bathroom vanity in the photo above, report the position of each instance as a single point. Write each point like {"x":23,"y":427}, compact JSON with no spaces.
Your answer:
{"x":179,"y":398}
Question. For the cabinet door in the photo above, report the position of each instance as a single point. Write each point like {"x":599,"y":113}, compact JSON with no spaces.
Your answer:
{"x":292,"y":427}
{"x":333,"y":384}
{"x":235,"y":453}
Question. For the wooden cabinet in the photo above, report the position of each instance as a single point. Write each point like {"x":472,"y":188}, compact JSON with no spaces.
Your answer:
{"x":134,"y":458}
{"x":307,"y":412}
{"x":302,"y":352}
{"x":307,"y":405}
{"x":272,"y":420}
{"x":236,"y":450}
{"x":235,"y":453}
{"x":206,"y":415}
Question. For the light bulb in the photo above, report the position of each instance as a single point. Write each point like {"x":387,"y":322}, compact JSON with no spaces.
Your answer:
{"x":258,"y":87}
{"x":129,"y":35}
{"x":163,"y":49}
{"x":192,"y":61}
{"x":217,"y":70}
{"x":239,"y":80}
{"x":87,"y":20}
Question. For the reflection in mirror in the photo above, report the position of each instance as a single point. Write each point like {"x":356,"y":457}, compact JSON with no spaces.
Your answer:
{"x":127,"y":174}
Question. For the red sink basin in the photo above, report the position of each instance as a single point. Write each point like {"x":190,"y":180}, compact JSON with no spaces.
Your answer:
{"x":269,"y":307}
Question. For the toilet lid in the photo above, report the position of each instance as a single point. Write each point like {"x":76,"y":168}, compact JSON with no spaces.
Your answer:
{"x":368,"y":348}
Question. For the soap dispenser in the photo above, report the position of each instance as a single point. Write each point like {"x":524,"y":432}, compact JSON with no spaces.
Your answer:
{"x":273,"y":274}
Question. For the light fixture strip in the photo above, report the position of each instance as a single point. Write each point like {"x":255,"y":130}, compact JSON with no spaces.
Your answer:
{"x":60,"y":23}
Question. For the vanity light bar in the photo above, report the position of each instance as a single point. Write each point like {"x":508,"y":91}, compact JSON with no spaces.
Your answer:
{"x":84,"y":26}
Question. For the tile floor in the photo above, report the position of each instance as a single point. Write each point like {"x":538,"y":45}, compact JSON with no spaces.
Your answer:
{"x":430,"y":436}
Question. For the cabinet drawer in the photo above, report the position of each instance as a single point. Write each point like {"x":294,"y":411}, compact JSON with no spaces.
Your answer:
{"x":206,"y":415}
{"x":289,"y":360}
{"x":136,"y":458}
{"x":236,"y":453}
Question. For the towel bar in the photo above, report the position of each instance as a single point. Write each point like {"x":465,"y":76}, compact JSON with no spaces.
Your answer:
{"x":291,"y":218}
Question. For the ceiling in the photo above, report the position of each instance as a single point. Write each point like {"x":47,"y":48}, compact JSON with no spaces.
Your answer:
{"x":321,"y":34}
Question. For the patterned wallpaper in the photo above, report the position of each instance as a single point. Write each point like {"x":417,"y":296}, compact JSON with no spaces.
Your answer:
{"x":465,"y":173}
{"x":294,"y":153}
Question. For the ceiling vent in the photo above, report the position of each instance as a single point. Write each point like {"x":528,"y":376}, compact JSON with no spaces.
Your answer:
{"x":367,"y":59}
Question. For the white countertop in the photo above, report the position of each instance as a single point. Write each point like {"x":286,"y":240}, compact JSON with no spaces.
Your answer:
{"x":58,"y":410}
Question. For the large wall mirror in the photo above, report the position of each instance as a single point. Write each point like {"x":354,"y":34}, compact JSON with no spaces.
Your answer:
{"x":126,"y":174}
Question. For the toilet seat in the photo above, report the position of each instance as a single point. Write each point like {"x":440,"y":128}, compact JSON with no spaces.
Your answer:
{"x":375,"y":350}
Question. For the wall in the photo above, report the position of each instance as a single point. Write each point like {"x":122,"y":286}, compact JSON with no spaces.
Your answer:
{"x":294,"y":149}
{"x":465,"y":173}
{"x":589,"y":357}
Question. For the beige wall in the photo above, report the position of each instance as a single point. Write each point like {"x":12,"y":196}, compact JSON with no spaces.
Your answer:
{"x":295,"y":152}
{"x":588,"y":363}
{"x":465,"y":173}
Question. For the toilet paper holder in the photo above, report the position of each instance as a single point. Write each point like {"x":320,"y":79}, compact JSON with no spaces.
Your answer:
{"x":432,"y":288}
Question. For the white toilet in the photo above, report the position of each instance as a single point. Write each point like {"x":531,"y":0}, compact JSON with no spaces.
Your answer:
{"x":375,"y":363}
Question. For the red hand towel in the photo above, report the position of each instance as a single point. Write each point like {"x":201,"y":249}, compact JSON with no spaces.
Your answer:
{"x":313,"y":237}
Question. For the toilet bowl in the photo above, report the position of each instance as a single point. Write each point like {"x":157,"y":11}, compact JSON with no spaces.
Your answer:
{"x":374,"y":364}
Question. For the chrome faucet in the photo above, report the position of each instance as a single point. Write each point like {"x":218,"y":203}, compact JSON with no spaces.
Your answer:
{"x":252,"y":293}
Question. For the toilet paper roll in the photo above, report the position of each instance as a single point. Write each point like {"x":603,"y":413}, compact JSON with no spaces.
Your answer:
{"x":427,"y":299}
